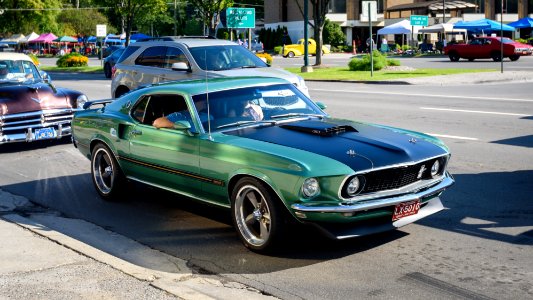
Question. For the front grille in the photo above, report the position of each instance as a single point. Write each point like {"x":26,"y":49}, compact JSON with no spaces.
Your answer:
{"x":19,"y":123}
{"x":397,"y":177}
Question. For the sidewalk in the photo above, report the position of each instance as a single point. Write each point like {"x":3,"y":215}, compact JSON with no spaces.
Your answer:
{"x":46,"y":256}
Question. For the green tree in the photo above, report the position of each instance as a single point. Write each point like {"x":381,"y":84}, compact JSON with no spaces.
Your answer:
{"x":333,"y":34}
{"x":82,"y":22}
{"x":209,"y":11}
{"x":135,"y":10}
{"x":25,"y":16}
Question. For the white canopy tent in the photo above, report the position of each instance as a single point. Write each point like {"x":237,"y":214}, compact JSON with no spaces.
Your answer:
{"x":402,"y":27}
{"x":447,"y":29}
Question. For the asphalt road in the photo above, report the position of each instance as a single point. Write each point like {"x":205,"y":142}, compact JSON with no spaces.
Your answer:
{"x":480,"y":247}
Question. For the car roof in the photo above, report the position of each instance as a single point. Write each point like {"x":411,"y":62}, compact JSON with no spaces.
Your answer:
{"x":200,"y":86}
{"x":14,"y":56}
{"x":189,"y":42}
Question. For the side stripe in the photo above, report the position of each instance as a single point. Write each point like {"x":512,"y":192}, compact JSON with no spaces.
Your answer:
{"x":173,"y":171}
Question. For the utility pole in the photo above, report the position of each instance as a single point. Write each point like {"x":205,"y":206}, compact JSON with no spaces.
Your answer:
{"x":175,"y":14}
{"x":306,"y":68}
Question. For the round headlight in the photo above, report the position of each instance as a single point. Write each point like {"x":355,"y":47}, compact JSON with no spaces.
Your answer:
{"x":310,"y":187}
{"x":81,"y":100}
{"x":435,"y":168}
{"x":355,"y":185}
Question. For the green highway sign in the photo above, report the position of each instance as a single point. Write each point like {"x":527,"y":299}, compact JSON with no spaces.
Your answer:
{"x":240,"y":17}
{"x":419,"y":20}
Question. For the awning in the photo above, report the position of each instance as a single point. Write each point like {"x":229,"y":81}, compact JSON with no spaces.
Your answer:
{"x":432,"y":5}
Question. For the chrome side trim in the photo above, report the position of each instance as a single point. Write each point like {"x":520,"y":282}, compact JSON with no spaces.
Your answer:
{"x":377,"y":203}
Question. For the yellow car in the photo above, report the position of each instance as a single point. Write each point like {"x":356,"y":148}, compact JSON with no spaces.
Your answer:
{"x":298,"y":49}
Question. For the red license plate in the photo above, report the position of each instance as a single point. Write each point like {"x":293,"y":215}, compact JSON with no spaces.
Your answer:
{"x":405,"y":209}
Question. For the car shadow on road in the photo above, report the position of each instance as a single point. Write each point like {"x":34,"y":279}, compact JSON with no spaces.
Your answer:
{"x":492,"y":206}
{"x":24,"y":146}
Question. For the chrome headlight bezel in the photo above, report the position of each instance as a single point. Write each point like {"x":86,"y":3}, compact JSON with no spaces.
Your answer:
{"x":82,"y":99}
{"x":310,"y":187}
{"x":435,"y":169}
{"x":354,"y":186}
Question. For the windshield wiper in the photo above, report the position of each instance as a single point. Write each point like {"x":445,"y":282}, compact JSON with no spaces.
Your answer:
{"x":289,"y":115}
{"x":240,"y":123}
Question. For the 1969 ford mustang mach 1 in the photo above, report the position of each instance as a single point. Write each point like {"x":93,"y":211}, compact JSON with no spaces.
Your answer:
{"x":261,"y":148}
{"x":31,"y":108}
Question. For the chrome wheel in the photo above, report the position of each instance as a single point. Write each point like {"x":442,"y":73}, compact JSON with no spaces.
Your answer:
{"x":106,"y":174}
{"x":255,"y":214}
{"x":291,"y":54}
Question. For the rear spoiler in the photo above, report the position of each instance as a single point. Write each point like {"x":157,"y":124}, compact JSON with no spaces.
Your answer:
{"x":88,"y":104}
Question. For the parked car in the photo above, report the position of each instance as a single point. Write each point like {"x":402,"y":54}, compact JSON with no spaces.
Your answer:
{"x":110,"y":49}
{"x":262,"y":149}
{"x":488,"y":47}
{"x":298,"y":49}
{"x":111,"y":60}
{"x":170,"y":58}
{"x":31,"y":108}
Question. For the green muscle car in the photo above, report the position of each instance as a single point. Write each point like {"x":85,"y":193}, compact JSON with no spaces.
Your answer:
{"x":264,"y":150}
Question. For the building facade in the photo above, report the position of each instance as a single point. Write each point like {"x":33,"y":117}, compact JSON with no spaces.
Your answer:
{"x":348,"y":13}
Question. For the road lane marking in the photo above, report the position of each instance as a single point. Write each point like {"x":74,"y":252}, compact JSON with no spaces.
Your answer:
{"x":475,"y":111}
{"x":453,"y":137}
{"x":425,"y":95}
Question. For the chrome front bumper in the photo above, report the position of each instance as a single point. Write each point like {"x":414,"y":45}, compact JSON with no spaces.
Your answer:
{"x":28,"y":136}
{"x":428,"y":192}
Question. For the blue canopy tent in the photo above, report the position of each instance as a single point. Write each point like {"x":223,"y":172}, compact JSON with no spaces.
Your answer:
{"x":139,"y":36}
{"x":483,"y":25}
{"x":522,"y":23}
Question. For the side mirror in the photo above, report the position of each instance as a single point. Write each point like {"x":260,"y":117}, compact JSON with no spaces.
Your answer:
{"x":45,"y":76}
{"x":321,"y":105}
{"x":182,"y":125}
{"x":180,"y":66}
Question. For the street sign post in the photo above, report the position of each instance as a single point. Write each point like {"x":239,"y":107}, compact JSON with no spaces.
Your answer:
{"x":370,"y":14}
{"x":101,"y":30}
{"x":419,"y":20}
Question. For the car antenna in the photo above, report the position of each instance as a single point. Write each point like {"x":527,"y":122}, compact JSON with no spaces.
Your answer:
{"x":207,"y":99}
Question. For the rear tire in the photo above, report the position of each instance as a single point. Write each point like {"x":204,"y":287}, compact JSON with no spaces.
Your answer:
{"x":107,"y":176}
{"x":256,"y":215}
{"x":453,"y":56}
{"x":107,"y":70}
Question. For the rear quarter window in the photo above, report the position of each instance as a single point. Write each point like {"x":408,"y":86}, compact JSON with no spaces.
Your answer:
{"x":127,"y":53}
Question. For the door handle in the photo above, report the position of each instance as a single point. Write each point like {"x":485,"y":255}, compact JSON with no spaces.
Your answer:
{"x":136,"y":132}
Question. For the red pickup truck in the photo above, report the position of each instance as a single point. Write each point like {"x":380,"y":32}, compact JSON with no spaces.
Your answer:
{"x":487,"y":47}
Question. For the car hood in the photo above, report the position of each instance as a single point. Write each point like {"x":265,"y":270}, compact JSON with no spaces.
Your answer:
{"x":32,"y":97}
{"x":258,"y":72}
{"x":358,"y":145}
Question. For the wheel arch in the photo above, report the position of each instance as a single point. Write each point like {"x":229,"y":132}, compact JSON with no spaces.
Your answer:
{"x":236,"y":176}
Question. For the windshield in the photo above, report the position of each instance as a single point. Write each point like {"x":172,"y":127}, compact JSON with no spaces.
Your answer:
{"x":507,"y":40}
{"x":226,"y":57}
{"x":256,"y":106}
{"x":18,"y":71}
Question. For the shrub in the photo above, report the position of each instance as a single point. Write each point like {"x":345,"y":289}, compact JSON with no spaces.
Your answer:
{"x":266,"y":56}
{"x":333,"y":34}
{"x":523,"y":41}
{"x":72,"y":60}
{"x":278,"y":49}
{"x":34,"y":58}
{"x":380,"y":61}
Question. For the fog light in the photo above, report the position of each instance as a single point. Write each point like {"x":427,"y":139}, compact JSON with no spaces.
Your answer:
{"x":310,"y":188}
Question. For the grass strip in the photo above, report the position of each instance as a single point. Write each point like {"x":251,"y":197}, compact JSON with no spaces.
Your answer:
{"x":343,"y":73}
{"x":73,"y":69}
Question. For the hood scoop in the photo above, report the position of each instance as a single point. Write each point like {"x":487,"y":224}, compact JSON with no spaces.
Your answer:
{"x":319,"y":128}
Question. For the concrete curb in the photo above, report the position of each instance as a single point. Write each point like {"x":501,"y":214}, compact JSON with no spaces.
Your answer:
{"x":173,"y":276}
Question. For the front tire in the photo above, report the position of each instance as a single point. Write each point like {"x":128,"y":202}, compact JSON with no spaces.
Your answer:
{"x":107,"y":176}
{"x":514,"y":57}
{"x":256,"y":214}
{"x":290,"y":54}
